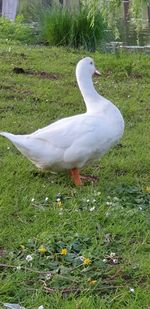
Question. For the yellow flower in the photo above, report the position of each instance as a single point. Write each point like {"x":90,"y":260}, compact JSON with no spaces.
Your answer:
{"x":147,"y":189}
{"x":22,"y":247}
{"x":42,"y":249}
{"x":92,"y":282}
{"x":64,"y":251}
{"x":59,"y":203}
{"x":86,"y":261}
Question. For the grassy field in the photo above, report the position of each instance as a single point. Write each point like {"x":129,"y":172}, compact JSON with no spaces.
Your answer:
{"x":103,"y":228}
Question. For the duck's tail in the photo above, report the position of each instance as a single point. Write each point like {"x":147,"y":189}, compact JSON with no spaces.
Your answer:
{"x":13,"y":138}
{"x":6,"y":134}
{"x":17,"y":140}
{"x":20,"y":142}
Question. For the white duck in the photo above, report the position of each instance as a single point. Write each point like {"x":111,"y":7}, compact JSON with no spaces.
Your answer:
{"x":73,"y":142}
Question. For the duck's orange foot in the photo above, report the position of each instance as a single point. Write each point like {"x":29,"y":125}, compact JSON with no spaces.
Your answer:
{"x":75,"y":175}
{"x":79,"y":179}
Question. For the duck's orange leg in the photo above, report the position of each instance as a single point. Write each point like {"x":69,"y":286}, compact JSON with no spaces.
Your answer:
{"x":75,"y":175}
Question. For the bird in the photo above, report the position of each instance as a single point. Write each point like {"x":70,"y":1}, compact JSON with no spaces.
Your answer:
{"x":74,"y":142}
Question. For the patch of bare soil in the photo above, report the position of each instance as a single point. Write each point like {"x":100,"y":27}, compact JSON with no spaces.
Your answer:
{"x":40,"y":74}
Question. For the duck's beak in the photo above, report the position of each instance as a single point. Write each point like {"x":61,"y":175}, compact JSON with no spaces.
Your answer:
{"x":97,"y":73}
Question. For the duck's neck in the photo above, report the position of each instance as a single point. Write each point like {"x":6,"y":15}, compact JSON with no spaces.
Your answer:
{"x":91,"y":97}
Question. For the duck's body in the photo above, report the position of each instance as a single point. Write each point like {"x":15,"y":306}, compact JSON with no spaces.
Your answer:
{"x":73,"y":142}
{"x":70,"y":142}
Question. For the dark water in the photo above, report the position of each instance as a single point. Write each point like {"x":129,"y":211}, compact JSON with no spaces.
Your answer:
{"x":129,"y":39}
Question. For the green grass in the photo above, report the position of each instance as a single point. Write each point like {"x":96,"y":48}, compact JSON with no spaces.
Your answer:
{"x":18,"y":30}
{"x":119,"y":220}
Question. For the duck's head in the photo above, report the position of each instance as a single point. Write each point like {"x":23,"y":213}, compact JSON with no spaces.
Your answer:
{"x":86,"y":67}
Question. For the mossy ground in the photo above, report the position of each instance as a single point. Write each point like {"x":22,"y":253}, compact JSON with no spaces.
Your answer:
{"x":93,"y":221}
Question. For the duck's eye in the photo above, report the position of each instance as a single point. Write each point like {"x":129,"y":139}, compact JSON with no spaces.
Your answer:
{"x":91,"y":62}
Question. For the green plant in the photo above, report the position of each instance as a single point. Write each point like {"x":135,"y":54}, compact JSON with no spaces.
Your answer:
{"x":55,"y":26}
{"x":111,"y":12}
{"x":74,"y":29}
{"x":15,"y":30}
{"x":84,"y":33}
{"x":31,"y":9}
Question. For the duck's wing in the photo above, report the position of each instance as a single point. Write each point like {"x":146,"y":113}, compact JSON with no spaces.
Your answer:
{"x":76,"y":139}
{"x":64,"y":132}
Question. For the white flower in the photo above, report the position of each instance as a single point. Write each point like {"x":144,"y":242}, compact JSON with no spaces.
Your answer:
{"x":94,"y":200}
{"x":8,"y":147}
{"x":112,"y":254}
{"x":32,"y":200}
{"x":115,"y":261}
{"x":108,"y":203}
{"x":46,"y":199}
{"x":87,"y":200}
{"x":29,"y":258}
{"x":58,"y":200}
{"x":92,"y":208}
{"x":48,"y":276}
{"x":131,"y":290}
{"x":18,"y":267}
{"x":41,"y":307}
{"x":104,"y":260}
{"x":81,"y":257}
